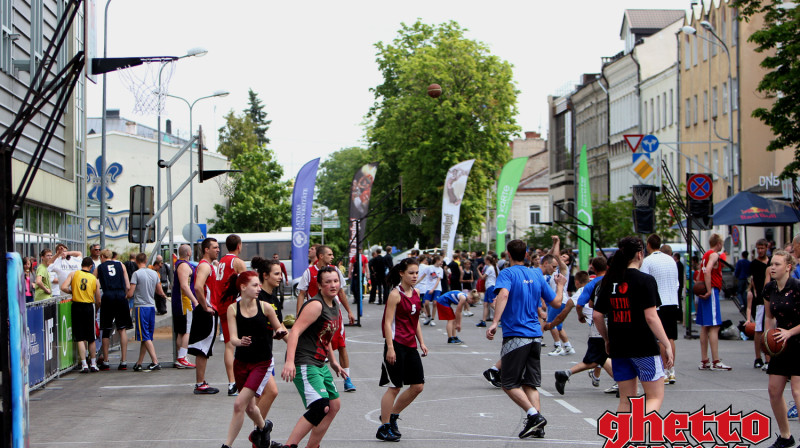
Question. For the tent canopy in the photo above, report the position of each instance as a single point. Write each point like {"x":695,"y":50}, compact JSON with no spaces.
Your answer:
{"x":750,"y":209}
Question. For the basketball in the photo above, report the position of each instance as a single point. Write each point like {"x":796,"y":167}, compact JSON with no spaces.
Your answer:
{"x":434,"y":90}
{"x":699,"y":288}
{"x":771,"y":346}
{"x":750,"y":329}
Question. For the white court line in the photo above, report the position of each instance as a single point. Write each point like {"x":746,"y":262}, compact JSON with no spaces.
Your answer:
{"x":591,"y":421}
{"x":544,"y":392}
{"x":569,"y":407}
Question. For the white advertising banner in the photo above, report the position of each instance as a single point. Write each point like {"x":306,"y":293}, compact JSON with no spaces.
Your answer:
{"x":454,"y":186}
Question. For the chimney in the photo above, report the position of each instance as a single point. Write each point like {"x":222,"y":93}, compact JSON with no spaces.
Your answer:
{"x":530,"y":135}
{"x":130,"y":127}
{"x":169,"y":127}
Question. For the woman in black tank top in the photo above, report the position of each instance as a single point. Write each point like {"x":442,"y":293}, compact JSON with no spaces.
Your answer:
{"x":251,"y":322}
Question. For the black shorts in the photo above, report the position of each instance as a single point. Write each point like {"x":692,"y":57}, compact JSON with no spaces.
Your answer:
{"x":521,"y":363}
{"x":203,"y":332}
{"x":115,"y":312}
{"x":787,"y":363}
{"x":669,"y":315}
{"x":406,"y":370}
{"x":595,"y":352}
{"x":83,"y":321}
{"x":179,"y":323}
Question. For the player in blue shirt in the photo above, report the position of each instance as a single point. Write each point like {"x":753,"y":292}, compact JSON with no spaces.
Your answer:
{"x":519,"y":292}
{"x":444,"y":304}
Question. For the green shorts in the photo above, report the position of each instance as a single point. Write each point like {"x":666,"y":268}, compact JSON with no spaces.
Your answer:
{"x":314,"y":383}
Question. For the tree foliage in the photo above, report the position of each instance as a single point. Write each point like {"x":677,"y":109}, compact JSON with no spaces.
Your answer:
{"x":259,"y":200}
{"x":420,"y":138}
{"x":255,"y":110}
{"x":779,"y":41}
{"x":614,"y":220}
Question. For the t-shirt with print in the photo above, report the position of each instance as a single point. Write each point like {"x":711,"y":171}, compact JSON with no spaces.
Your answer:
{"x":526,"y":288}
{"x":145,"y":281}
{"x":424,"y":278}
{"x":624,"y":303}
{"x":312,"y":344}
{"x":436,"y":275}
{"x":785,"y":306}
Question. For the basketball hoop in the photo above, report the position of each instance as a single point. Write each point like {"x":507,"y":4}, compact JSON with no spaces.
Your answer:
{"x":644,"y":196}
{"x":416,"y":216}
{"x":143,"y":83}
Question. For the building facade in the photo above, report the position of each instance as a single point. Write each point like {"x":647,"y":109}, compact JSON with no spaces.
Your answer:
{"x":561,"y":149}
{"x":590,"y":102}
{"x":531,"y":205}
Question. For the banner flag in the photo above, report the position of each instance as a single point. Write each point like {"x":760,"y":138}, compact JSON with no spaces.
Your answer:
{"x":454,"y":186}
{"x":506,"y":189}
{"x":584,"y":213}
{"x":359,"y":202}
{"x":302,"y":200}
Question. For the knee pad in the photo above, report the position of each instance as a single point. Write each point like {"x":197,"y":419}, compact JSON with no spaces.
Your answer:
{"x":107,"y":332}
{"x":316,"y":411}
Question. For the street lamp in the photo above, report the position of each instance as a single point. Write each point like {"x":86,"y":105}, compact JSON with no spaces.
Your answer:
{"x":218,"y":93}
{"x":196,"y":52}
{"x":710,"y":28}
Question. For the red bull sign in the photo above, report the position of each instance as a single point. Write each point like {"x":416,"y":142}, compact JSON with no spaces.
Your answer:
{"x":757,"y":212}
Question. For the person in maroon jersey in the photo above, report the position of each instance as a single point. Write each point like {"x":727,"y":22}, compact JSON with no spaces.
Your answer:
{"x":229,"y":265}
{"x":401,"y":361}
{"x":204,"y":318}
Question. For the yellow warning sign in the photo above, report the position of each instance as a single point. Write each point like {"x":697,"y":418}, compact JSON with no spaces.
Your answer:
{"x":643,"y":168}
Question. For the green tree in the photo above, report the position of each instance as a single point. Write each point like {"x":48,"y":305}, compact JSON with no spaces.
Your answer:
{"x":614,"y":220}
{"x":259,"y":200}
{"x":779,"y":41}
{"x":255,"y":110}
{"x":420,"y":138}
{"x":541,"y":237}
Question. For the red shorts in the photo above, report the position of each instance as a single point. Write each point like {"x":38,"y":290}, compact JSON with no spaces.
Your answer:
{"x":223,"y":320}
{"x":445,"y":312}
{"x":337,"y":341}
{"x":253,"y":376}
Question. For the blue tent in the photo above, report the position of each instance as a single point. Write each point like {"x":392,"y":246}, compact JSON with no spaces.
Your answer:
{"x":750,"y":209}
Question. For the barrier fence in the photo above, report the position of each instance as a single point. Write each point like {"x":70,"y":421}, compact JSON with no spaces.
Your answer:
{"x":51,"y":347}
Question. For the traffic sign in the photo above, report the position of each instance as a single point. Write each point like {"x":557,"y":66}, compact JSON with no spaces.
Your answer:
{"x":650,"y":143}
{"x":735,"y":235}
{"x":633,"y":141}
{"x":699,"y":187}
{"x":315,"y":220}
{"x":315,"y":233}
{"x":332,"y":224}
{"x":643,"y":168}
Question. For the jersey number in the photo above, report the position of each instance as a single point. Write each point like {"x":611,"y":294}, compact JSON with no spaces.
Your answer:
{"x":413,"y":309}
{"x":221,"y":271}
{"x":112,"y":271}
{"x":83,"y":284}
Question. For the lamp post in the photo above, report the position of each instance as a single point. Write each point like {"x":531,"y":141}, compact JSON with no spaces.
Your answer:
{"x":198,"y":52}
{"x":218,"y":93}
{"x":103,"y":138}
{"x":710,"y":28}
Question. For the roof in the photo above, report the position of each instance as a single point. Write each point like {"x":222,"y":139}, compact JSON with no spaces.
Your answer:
{"x":644,"y":21}
{"x":536,"y":181}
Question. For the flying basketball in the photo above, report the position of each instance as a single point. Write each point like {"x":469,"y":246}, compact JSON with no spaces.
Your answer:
{"x":771,"y":346}
{"x":750,"y":329}
{"x":434,"y":90}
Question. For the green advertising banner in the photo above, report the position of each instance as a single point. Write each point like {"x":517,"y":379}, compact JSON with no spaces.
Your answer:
{"x":506,"y":189}
{"x":66,"y":346}
{"x":584,"y":213}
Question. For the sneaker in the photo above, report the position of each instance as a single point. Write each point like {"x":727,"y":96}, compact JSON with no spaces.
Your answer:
{"x":261,"y":437}
{"x":183,"y":363}
{"x":792,"y":411}
{"x":561,"y":380}
{"x":783,"y":443}
{"x":348,"y":385}
{"x":456,"y":340}
{"x":104,"y":366}
{"x":538,"y":433}
{"x":533,"y":422}
{"x":205,"y":389}
{"x":393,"y":418}
{"x":612,"y":390}
{"x":93,"y":369}
{"x":719,"y":365}
{"x":765,"y":367}
{"x":595,"y":380}
{"x":556,"y":351}
{"x":467,"y":314}
{"x":155,"y":366}
{"x":704,"y":365}
{"x":481,"y":324}
{"x":232,"y":392}
{"x":85,"y":369}
{"x":427,"y":321}
{"x":385,"y":433}
{"x":566,"y":351}
{"x":123,"y":366}
{"x":137,"y":367}
{"x":758,"y":363}
{"x":666,"y":378}
{"x":492,"y":376}
{"x":432,"y":322}
{"x":672,"y":376}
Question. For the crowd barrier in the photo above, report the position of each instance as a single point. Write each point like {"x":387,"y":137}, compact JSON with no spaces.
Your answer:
{"x":51,"y":348}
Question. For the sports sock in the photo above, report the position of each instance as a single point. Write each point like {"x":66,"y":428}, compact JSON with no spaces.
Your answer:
{"x":568,"y":372}
{"x":557,"y":344}
{"x":347,"y":371}
{"x":182,"y":352}
{"x":231,"y":385}
{"x":567,"y":344}
{"x":94,"y":362}
{"x":532,"y":411}
{"x":83,"y":363}
{"x":494,"y":368}
{"x":594,"y":377}
{"x":198,"y":384}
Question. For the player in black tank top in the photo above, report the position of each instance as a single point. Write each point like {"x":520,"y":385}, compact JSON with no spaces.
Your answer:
{"x":251,"y":322}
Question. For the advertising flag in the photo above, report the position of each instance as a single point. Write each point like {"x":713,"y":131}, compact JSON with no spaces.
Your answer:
{"x":506,"y":189}
{"x":454,"y":185}
{"x":302,"y":199}
{"x":584,"y":214}
{"x":359,"y":202}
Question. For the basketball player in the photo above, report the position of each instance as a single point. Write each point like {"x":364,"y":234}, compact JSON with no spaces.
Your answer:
{"x":229,"y":264}
{"x":204,"y":318}
{"x":183,"y":302}
{"x":114,"y":285}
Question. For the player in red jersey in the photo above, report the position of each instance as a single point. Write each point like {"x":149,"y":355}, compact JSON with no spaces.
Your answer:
{"x":204,"y":318}
{"x":229,"y":265}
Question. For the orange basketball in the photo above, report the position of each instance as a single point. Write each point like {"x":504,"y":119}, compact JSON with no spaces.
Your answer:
{"x":434,"y":90}
{"x":750,"y":329}
{"x":771,"y":346}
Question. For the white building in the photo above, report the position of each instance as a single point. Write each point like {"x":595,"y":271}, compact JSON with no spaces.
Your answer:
{"x":531,"y":205}
{"x":132,"y":160}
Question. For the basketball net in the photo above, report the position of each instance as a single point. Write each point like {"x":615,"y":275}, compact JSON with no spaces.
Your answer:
{"x":142,"y":81}
{"x":643,"y":197}
{"x":416,"y":216}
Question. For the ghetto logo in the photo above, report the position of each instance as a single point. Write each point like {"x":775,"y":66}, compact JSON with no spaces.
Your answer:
{"x":724,"y":429}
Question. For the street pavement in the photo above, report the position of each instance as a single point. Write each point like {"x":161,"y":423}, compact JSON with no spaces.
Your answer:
{"x":458,"y":407}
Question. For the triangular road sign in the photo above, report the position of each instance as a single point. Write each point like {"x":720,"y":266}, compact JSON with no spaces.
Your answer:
{"x":633,"y":141}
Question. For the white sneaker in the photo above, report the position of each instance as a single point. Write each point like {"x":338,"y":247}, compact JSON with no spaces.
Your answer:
{"x":566,"y":351}
{"x":433,"y":323}
{"x":468,"y":314}
{"x":556,"y":351}
{"x":612,"y":390}
{"x":427,"y":321}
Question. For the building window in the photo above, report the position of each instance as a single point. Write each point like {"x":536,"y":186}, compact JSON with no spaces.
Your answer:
{"x":62,"y":57}
{"x":705,"y":162}
{"x":724,"y":98}
{"x":687,"y":115}
{"x":671,"y":107}
{"x":714,"y":102}
{"x":735,"y":93}
{"x":658,"y":112}
{"x":705,"y":105}
{"x":6,"y":29}
{"x":723,"y":26}
{"x":694,"y":52}
{"x":725,"y":161}
{"x":535,"y":214}
{"x":664,"y":110}
{"x":706,"y":43}
{"x":734,"y":27}
{"x":694,"y":108}
{"x":644,"y":115}
{"x":687,"y":53}
{"x":715,"y":163}
{"x":696,"y":164}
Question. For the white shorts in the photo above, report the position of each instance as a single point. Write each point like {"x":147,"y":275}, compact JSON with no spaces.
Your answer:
{"x":759,"y":318}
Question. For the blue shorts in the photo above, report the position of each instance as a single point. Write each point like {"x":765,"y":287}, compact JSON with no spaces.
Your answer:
{"x":646,"y":368}
{"x":708,"y":312}
{"x":488,"y":296}
{"x":431,"y":296}
{"x":145,"y":320}
{"x":552,"y":313}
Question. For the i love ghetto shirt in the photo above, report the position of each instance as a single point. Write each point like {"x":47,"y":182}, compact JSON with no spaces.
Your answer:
{"x":623,"y":302}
